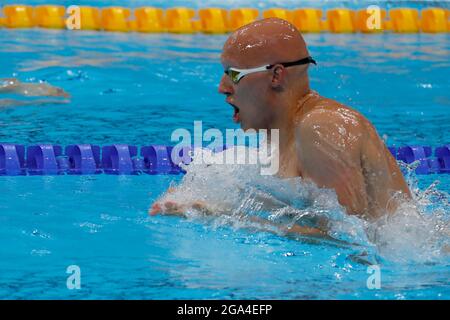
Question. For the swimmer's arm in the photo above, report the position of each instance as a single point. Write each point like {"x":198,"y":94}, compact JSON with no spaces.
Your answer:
{"x":169,"y":207}
{"x":297,"y":230}
{"x":290,"y":230}
{"x":382,"y":173}
{"x":172,"y":208}
{"x":176,"y":209}
{"x":328,"y":151}
{"x":379,"y":164}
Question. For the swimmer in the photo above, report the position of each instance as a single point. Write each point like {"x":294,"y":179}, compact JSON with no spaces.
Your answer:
{"x":321,"y":140}
{"x":42,"y":89}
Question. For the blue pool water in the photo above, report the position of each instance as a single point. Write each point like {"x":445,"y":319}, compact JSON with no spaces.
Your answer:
{"x":138,"y":88}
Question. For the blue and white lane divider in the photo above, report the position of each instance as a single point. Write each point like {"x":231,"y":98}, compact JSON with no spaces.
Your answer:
{"x":46,"y":159}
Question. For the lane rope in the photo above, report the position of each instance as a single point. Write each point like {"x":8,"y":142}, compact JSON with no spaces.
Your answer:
{"x":47,"y":159}
{"x":184,"y":20}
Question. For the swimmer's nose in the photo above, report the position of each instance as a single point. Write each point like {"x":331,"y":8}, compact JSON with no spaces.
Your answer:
{"x":225,"y":86}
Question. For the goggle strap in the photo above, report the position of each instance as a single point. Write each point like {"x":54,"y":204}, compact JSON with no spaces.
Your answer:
{"x":295,"y":63}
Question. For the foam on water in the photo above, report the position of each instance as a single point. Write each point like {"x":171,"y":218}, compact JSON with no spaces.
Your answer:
{"x":417,"y":232}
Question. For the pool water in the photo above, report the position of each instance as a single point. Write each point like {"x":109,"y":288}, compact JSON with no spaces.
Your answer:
{"x":138,"y":88}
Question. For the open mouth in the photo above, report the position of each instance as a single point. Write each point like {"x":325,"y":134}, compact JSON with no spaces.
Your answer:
{"x":236,"y":112}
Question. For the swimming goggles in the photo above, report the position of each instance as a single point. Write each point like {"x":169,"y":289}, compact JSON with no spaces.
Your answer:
{"x":236,"y":74}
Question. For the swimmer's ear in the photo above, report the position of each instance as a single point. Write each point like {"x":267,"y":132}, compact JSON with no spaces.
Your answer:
{"x":278,"y":76}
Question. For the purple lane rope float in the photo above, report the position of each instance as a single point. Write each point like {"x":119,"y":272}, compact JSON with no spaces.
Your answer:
{"x":88,"y":159}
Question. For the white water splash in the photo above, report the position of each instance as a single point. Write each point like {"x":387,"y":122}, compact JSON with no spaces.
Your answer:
{"x":417,"y":232}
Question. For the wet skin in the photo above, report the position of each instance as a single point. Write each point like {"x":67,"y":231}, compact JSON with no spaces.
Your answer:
{"x":321,"y":140}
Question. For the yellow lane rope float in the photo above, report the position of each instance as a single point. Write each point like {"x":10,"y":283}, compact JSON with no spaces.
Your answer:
{"x":219,"y":20}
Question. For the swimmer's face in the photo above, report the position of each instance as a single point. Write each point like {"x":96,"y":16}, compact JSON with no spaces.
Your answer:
{"x":264,"y":42}
{"x":249,"y":97}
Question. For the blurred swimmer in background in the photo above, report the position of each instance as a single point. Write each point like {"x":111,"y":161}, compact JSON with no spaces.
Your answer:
{"x":41,"y":89}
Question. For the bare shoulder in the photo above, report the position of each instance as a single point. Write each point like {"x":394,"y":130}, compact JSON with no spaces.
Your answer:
{"x":332,"y":123}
